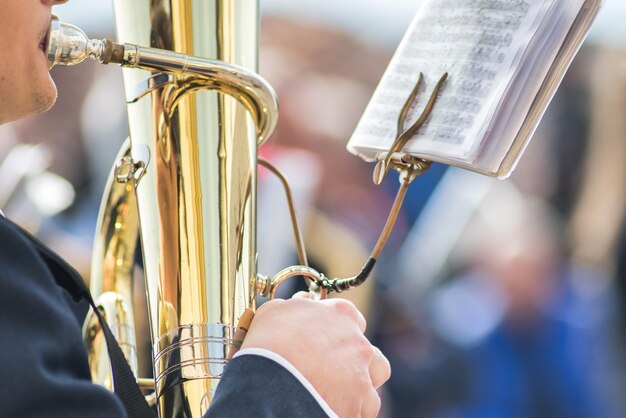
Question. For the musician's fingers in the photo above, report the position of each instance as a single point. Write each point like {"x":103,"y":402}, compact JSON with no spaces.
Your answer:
{"x":371,"y":405}
{"x":380,"y":370}
{"x":347,"y":308}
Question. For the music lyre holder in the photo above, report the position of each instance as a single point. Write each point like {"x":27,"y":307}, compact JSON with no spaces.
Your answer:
{"x":409,"y":168}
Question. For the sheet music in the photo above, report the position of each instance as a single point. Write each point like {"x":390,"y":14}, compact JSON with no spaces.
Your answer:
{"x":479,"y":43}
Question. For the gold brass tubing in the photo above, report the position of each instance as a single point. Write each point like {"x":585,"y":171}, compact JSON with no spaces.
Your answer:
{"x":195,"y":185}
{"x":294,"y":271}
{"x":292,"y":210}
{"x":197,"y":196}
{"x":248,"y":87}
{"x":111,"y":275}
{"x":145,"y":383}
{"x":69,"y":45}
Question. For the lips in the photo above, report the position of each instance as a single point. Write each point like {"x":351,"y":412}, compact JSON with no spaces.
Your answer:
{"x":43,"y":42}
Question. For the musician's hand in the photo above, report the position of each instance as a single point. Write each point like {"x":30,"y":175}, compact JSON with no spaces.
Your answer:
{"x":324,"y":340}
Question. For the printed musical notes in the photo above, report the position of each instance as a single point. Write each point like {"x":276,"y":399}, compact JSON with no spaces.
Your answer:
{"x":497,"y":54}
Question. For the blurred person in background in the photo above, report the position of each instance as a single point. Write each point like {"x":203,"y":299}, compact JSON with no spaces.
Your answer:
{"x":532,"y":332}
{"x":597,"y":227}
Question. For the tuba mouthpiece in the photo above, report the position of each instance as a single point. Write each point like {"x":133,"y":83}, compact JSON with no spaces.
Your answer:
{"x":69,"y":45}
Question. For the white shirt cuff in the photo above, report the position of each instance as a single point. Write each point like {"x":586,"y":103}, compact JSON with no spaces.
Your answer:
{"x":295,"y":372}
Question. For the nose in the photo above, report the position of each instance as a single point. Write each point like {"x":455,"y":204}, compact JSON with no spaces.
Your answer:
{"x":55,"y":2}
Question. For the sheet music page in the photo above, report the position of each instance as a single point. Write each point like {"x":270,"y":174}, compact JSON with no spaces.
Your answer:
{"x":479,"y":43}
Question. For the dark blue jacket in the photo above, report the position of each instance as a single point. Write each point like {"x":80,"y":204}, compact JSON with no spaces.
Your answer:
{"x":43,"y":363}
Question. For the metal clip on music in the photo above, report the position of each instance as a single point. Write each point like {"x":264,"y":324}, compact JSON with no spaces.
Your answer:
{"x":401,"y":161}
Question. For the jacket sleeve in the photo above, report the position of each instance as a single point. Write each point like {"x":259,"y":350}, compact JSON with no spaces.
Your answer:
{"x":43,"y":363}
{"x":260,"y":387}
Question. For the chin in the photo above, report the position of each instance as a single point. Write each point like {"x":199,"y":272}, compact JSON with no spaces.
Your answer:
{"x":46,"y":100}
{"x":44,"y":97}
{"x":23,"y":99}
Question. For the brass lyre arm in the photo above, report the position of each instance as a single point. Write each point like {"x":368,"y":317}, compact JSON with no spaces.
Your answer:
{"x":409,"y":168}
{"x":68,"y":45}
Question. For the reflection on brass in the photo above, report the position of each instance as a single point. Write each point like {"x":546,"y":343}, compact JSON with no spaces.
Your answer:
{"x":111,"y":271}
{"x":197,"y":197}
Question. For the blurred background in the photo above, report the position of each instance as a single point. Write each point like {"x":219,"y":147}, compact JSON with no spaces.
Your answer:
{"x":492,"y":299}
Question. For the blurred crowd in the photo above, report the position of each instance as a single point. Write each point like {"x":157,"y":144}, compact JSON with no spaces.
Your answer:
{"x":493,"y":298}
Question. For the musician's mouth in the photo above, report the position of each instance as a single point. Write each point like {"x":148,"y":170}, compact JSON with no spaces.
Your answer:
{"x":43,"y":39}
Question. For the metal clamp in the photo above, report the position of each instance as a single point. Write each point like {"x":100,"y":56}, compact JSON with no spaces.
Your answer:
{"x":394,"y":157}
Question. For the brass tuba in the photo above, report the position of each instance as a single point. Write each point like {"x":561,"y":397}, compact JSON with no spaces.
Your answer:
{"x":189,"y":175}
{"x":185,"y":183}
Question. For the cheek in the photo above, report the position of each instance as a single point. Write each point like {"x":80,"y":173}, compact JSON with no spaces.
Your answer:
{"x":14,"y":31}
{"x":11,"y":90}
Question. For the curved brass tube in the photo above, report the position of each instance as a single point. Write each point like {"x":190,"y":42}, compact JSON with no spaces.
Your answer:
{"x":68,"y":45}
{"x":111,"y":274}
